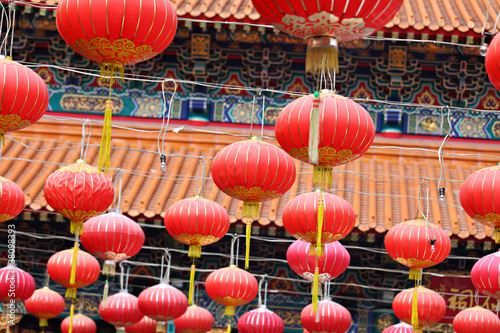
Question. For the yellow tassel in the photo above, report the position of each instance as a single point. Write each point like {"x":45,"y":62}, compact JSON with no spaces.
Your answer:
{"x":497,"y":235}
{"x":321,"y":210}
{"x":313,"y":250}
{"x":71,"y":313}
{"x":2,"y":138}
{"x":194,"y":251}
{"x":105,"y":149}
{"x":250,"y":210}
{"x":322,"y":56}
{"x":109,"y":268}
{"x":105,"y":294}
{"x":247,"y":250}
{"x":160,"y":327}
{"x":228,"y":328}
{"x":76,"y":228}
{"x":44,"y":323}
{"x":229,"y":311}
{"x":323,"y":176}
{"x":415,"y":274}
{"x":314,"y":130}
{"x":73,"y":265}
{"x":7,"y":330}
{"x":70,"y":293}
{"x":414,"y":311}
{"x":191,"y":284}
{"x":315,"y":290}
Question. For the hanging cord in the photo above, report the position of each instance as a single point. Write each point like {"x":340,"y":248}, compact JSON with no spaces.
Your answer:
{"x":84,"y":147}
{"x":487,"y":16}
{"x":203,"y":175}
{"x":118,"y":189}
{"x":265,"y":293}
{"x":199,"y":188}
{"x":262,"y":281}
{"x":253,"y":112}
{"x":6,"y":14}
{"x":122,"y":273}
{"x":128,"y":277}
{"x":442,"y":175}
{"x":231,"y":255}
{"x":168,"y":258}
{"x":263,"y":114}
{"x":164,"y":127}
{"x":13,"y":28}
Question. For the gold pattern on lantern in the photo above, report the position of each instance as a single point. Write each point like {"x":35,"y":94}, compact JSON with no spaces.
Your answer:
{"x":196,"y":239}
{"x":327,"y":156}
{"x":11,"y":122}
{"x":79,"y":216}
{"x":490,"y":219}
{"x":415,"y":263}
{"x":251,"y":194}
{"x":312,"y":236}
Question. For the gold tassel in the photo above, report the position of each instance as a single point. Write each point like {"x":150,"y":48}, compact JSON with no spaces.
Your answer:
{"x":7,"y":330}
{"x":109,"y":268}
{"x":160,"y":327}
{"x":70,"y":293}
{"x":322,"y":55}
{"x":194,"y":251}
{"x":414,"y":310}
{"x":323,"y":176}
{"x":415,"y":274}
{"x":191,"y":284}
{"x":229,"y":311}
{"x":314,"y":130}
{"x":73,"y":265}
{"x":321,"y":210}
{"x":247,"y":250}
{"x":105,"y":294}
{"x":228,"y":328}
{"x":44,"y":323}
{"x":250,"y":210}
{"x":71,"y":313}
{"x":76,"y":228}
{"x":313,"y":250}
{"x":497,"y":235}
{"x":315,"y":290}
{"x":105,"y":149}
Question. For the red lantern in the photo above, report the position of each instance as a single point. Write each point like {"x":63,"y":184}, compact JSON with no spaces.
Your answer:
{"x":15,"y":285}
{"x":350,"y":132}
{"x":59,"y":269}
{"x":476,"y":320}
{"x":485,"y":275}
{"x":478,"y":197}
{"x":334,"y":262}
{"x":260,"y":320}
{"x":11,"y":199}
{"x":24,"y":97}
{"x":231,"y":287}
{"x":121,"y":310}
{"x":80,"y":324}
{"x":45,"y":304}
{"x":162,"y":303}
{"x":146,"y":325}
{"x":399,"y":328}
{"x":429,"y":308}
{"x":326,"y":23}
{"x":417,"y":244}
{"x":491,"y":62}
{"x":333,"y":318}
{"x":195,"y":320}
{"x":112,"y":237}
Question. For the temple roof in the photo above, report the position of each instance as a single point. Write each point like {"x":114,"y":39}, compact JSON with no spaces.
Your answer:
{"x":382,"y":186}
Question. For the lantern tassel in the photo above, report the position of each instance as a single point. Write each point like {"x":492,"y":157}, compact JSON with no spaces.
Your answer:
{"x":323,"y":176}
{"x":415,"y":274}
{"x":228,"y":327}
{"x":497,"y":235}
{"x":414,"y":311}
{"x":321,"y":210}
{"x":315,"y":290}
{"x":313,"y":250}
{"x":191,"y":284}
{"x":105,"y":294}
{"x":322,"y":55}
{"x":250,"y":210}
{"x":161,"y":327}
{"x":71,"y":313}
{"x":229,"y":311}
{"x":70,"y":293}
{"x":105,"y":149}
{"x":247,"y":250}
{"x":44,"y":323}
{"x":314,"y":130}
{"x":109,"y":268}
{"x":194,"y":251}
{"x":76,"y":228}
{"x":73,"y":265}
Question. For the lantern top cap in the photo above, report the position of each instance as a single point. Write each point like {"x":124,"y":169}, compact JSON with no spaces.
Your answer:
{"x":80,"y":161}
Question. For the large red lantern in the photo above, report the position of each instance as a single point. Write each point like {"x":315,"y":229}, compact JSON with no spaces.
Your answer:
{"x":485,"y":275}
{"x":231,"y":287}
{"x":121,"y":310}
{"x":162,"y":303}
{"x":476,"y":320}
{"x":253,"y":171}
{"x":479,"y":200}
{"x":260,"y":320}
{"x":417,"y":244}
{"x":16,"y":285}
{"x":45,"y":304}
{"x":79,"y":324}
{"x":146,"y":325}
{"x":194,"y":320}
{"x":333,"y":318}
{"x":11,"y":199}
{"x":429,"y":308}
{"x":342,"y":130}
{"x":23,"y":94}
{"x":491,"y":62}
{"x":333,"y":263}
{"x":399,"y":328}
{"x":326,"y":23}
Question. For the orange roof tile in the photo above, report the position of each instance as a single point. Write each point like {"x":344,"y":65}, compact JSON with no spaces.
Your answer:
{"x":382,"y":186}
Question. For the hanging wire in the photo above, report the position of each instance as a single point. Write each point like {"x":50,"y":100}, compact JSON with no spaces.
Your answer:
{"x":168,"y":258}
{"x":487,"y":16}
{"x":442,"y":175}
{"x":165,"y":115}
{"x":13,"y":28}
{"x":118,"y":189}
{"x":263,"y":114}
{"x":253,"y":114}
{"x":122,"y":273}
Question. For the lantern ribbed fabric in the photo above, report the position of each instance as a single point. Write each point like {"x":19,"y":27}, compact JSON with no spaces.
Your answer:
{"x":409,"y":243}
{"x":231,"y":287}
{"x":335,"y":261}
{"x":479,"y":199}
{"x":485,"y":275}
{"x":81,"y":324}
{"x":145,"y":325}
{"x":476,"y":320}
{"x":78,"y":192}
{"x":260,"y":320}
{"x":431,"y":307}
{"x":112,"y":237}
{"x":195,"y":320}
{"x":23,"y":94}
{"x":11,"y":199}
{"x":59,"y":269}
{"x":345,"y":132}
{"x":492,"y":62}
{"x":333,"y":318}
{"x":162,"y":303}
{"x":15,"y":285}
{"x":399,"y":328}
{"x":121,"y":310}
{"x":45,"y":304}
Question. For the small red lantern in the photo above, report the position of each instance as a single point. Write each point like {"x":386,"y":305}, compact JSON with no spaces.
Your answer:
{"x":15,"y":285}
{"x":23,"y":94}
{"x":195,"y":320}
{"x":231,"y":287}
{"x":399,"y":328}
{"x":333,"y":318}
{"x":485,"y":275}
{"x":45,"y":304}
{"x":491,"y":62}
{"x":146,"y":325}
{"x":121,"y":310}
{"x":260,"y":320}
{"x":476,"y":320}
{"x":334,"y":262}
{"x":79,"y":324}
{"x":11,"y":199}
{"x":417,"y":244}
{"x":429,"y":308}
{"x":59,"y":269}
{"x":478,"y":197}
{"x":162,"y":303}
